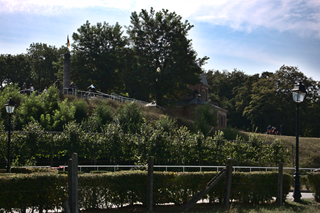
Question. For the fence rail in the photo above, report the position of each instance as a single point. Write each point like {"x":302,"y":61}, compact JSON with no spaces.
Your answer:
{"x":112,"y":96}
{"x":183,"y":167}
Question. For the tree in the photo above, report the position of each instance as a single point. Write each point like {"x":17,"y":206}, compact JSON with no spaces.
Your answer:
{"x":14,"y":69}
{"x":41,"y":58}
{"x":97,"y":56}
{"x":166,"y":61}
{"x":230,"y":91}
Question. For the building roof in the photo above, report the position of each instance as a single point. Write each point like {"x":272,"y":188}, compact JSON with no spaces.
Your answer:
{"x":203,"y":79}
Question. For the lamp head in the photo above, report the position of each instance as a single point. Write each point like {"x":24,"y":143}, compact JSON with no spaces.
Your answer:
{"x":299,"y":92}
{"x":10,"y":106}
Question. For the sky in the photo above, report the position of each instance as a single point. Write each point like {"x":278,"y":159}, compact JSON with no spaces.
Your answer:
{"x":248,"y":35}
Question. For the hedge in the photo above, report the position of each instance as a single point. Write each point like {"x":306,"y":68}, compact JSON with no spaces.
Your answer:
{"x":107,"y":190}
{"x":314,"y":182}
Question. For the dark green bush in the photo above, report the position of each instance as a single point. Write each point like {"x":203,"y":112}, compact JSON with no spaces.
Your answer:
{"x":48,"y":190}
{"x":231,"y":133}
{"x":81,"y":112}
{"x":130,"y":118}
{"x":314,"y":181}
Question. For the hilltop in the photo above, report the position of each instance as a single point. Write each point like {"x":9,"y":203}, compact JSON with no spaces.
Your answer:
{"x":309,"y":146}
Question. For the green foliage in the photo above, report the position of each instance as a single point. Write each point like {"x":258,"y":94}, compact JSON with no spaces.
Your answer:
{"x":231,"y":133}
{"x":275,"y":153}
{"x":31,"y":109}
{"x":41,"y":58}
{"x":314,"y":181}
{"x":11,"y":90}
{"x":30,"y":146}
{"x":73,"y":140}
{"x":130,"y":117}
{"x":47,"y":190}
{"x":63,"y":115}
{"x":98,"y":56}
{"x":164,"y":61}
{"x":205,"y":117}
{"x":168,"y":125}
{"x":39,"y":190}
{"x":81,"y":110}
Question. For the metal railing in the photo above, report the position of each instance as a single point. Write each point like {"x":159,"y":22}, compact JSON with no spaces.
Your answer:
{"x":184,"y":167}
{"x":112,"y":96}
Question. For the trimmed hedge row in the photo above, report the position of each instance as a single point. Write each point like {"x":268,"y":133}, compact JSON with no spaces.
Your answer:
{"x":111,"y":189}
{"x":314,"y":182}
{"x":42,"y":190}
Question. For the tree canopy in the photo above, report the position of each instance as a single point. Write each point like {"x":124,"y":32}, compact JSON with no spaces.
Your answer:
{"x":98,"y":56}
{"x":166,"y":61}
{"x":266,"y":99}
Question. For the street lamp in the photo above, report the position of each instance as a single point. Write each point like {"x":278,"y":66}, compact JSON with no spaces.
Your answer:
{"x":298,"y":94}
{"x":9,"y":108}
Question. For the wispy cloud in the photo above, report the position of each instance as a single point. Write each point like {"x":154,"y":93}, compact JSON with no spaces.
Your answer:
{"x":299,"y":16}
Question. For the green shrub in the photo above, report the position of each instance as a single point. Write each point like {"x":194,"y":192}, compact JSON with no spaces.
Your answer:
{"x":48,"y":190}
{"x":231,"y":133}
{"x":314,"y":181}
{"x":81,"y":110}
{"x":205,"y":117}
{"x":130,"y":118}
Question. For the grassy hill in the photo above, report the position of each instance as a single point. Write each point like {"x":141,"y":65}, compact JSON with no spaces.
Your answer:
{"x":309,"y":153}
{"x":309,"y":147}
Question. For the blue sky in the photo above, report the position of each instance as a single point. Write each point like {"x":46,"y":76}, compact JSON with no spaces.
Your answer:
{"x":250,"y":35}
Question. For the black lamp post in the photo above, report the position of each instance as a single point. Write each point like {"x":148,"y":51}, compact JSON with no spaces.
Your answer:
{"x":9,"y":108}
{"x":298,"y":94}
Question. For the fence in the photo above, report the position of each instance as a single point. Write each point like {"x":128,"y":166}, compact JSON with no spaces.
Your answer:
{"x":184,"y":168}
{"x":120,"y":189}
{"x":112,"y":96}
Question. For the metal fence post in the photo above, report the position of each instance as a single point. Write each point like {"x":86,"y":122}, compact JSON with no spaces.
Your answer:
{"x":73,"y":183}
{"x":150,"y":185}
{"x":280,"y":184}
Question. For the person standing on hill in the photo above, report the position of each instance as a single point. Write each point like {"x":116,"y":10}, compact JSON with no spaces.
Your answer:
{"x":91,"y":89}
{"x":57,"y":84}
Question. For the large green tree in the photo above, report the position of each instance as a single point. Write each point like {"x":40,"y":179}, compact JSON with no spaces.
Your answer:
{"x":166,"y":61}
{"x":98,"y":56}
{"x":14,"y":69}
{"x":41,"y":58}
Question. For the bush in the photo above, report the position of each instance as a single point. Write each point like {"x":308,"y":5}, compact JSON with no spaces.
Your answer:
{"x":130,"y":118}
{"x":81,"y":110}
{"x":314,"y":181}
{"x":47,"y":190}
{"x":205,"y":117}
{"x":231,"y":133}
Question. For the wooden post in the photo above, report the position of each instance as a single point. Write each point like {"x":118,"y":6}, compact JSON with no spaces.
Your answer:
{"x":227,"y":188}
{"x":51,"y":151}
{"x":73,"y":183}
{"x":280,"y":184}
{"x":150,"y":185}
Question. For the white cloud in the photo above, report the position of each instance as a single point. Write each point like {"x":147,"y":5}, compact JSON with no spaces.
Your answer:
{"x":299,"y":16}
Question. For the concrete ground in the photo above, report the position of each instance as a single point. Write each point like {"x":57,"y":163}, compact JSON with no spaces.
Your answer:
{"x":304,"y":195}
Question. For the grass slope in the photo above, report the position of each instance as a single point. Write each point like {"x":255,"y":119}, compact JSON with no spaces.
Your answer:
{"x":309,"y":149}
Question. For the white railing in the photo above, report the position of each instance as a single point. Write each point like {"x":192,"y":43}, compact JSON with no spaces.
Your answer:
{"x":200,"y":168}
{"x":112,"y":96}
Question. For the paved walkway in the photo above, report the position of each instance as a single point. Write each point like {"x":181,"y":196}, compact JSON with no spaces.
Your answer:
{"x":304,"y":195}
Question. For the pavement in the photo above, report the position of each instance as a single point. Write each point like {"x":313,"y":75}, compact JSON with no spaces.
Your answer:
{"x":304,"y":195}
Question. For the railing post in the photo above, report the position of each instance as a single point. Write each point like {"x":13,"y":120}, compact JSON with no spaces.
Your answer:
{"x":150,"y":185}
{"x":227,"y":188}
{"x":280,"y":184}
{"x":73,"y":183}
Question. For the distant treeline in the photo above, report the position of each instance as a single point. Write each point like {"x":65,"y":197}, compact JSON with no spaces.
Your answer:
{"x":266,"y":99}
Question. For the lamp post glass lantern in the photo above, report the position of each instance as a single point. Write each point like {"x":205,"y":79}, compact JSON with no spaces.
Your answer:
{"x":298,"y":94}
{"x":10,"y":105}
